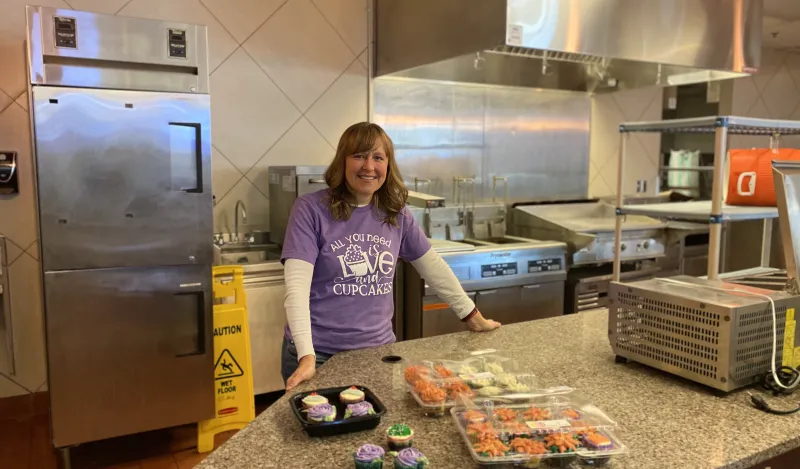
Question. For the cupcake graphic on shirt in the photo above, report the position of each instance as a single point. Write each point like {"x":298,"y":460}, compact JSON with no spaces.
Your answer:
{"x":356,"y":260}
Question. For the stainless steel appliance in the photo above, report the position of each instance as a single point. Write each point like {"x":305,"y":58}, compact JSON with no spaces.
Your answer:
{"x":6,"y":327}
{"x":587,"y":226}
{"x":719,"y":332}
{"x":508,"y":284}
{"x":286,"y":184}
{"x":121,"y":137}
{"x":536,"y":43}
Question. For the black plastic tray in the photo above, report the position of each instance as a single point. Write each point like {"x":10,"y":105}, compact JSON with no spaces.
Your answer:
{"x":338,"y":426}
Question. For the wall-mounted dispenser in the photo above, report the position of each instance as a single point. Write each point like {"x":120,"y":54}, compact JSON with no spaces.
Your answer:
{"x":9,"y":180}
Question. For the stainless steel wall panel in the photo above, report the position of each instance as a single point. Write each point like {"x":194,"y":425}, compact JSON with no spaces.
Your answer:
{"x":538,"y":140}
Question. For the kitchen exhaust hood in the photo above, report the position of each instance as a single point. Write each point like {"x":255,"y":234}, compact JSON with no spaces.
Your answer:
{"x":574,"y":45}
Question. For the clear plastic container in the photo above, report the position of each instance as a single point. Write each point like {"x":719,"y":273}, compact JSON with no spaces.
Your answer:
{"x":438,"y":384}
{"x":557,"y":426}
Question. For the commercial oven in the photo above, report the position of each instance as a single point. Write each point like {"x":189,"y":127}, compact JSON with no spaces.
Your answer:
{"x":286,"y":184}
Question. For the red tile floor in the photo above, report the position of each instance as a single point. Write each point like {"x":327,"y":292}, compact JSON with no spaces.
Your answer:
{"x":25,"y":441}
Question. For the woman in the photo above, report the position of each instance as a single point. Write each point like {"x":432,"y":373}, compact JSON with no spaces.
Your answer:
{"x":340,"y":252}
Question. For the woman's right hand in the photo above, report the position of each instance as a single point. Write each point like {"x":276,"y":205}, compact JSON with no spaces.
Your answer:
{"x":306,"y":369}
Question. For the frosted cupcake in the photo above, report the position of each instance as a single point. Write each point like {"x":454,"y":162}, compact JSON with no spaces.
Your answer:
{"x":399,"y":436}
{"x":410,"y":458}
{"x":359,"y":409}
{"x":322,"y":413}
{"x":313,"y":399}
{"x":351,"y":395}
{"x":356,"y":260}
{"x":369,"y":457}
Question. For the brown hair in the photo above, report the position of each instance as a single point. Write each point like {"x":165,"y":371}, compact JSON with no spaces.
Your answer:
{"x":389,"y":199}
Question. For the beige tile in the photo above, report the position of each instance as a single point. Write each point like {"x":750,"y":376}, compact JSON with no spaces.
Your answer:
{"x":9,"y":388}
{"x":759,"y":110}
{"x":300,"y":51}
{"x":220,"y":43}
{"x":349,"y":19}
{"x":771,"y":62}
{"x":243,"y":17}
{"x":28,"y":322}
{"x":248,"y":112}
{"x":301,"y":145}
{"x":5,"y":101}
{"x":639,"y":165}
{"x":634,"y":103}
{"x":256,"y":204}
{"x":22,"y":101}
{"x":18,"y":220}
{"x":781,"y":96}
{"x":223,"y":174}
{"x":745,"y":95}
{"x":342,"y":105}
{"x":12,"y":36}
{"x":12,"y":251}
{"x":33,"y":250}
{"x":364,"y":58}
{"x":108,"y":7}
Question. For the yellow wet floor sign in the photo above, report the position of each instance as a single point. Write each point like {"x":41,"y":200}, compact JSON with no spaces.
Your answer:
{"x":233,"y":377}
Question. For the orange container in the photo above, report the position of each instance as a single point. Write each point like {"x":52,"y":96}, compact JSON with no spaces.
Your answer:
{"x":750,"y":179}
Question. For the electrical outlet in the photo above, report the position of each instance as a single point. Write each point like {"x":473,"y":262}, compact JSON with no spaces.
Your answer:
{"x":641,"y":186}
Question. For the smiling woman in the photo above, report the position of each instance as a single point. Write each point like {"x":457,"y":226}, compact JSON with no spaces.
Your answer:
{"x":340,"y":253}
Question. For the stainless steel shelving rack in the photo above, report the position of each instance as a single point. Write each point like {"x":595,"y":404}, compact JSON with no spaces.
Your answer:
{"x":714,"y":211}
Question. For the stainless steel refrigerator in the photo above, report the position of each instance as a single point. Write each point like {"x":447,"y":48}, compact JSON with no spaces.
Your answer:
{"x":121,"y":130}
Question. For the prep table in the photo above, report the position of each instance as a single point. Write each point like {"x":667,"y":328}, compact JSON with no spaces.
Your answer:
{"x":666,"y":422}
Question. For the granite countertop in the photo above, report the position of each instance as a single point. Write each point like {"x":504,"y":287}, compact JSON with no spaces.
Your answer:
{"x":666,"y":422}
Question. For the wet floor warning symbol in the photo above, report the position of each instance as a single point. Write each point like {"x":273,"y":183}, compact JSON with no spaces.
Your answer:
{"x":233,"y":368}
{"x":226,"y":366}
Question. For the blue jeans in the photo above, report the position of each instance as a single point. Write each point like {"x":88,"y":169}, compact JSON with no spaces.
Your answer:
{"x":289,"y":359}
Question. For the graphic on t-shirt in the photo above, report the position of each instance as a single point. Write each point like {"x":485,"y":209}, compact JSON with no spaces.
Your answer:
{"x":367,"y":265}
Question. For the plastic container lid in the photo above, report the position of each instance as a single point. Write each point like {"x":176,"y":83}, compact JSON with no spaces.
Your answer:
{"x":556,"y":423}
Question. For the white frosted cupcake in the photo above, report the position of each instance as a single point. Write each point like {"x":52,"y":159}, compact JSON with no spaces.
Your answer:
{"x":351,"y":395}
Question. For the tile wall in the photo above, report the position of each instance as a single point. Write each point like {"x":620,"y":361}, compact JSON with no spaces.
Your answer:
{"x":288,"y":76}
{"x":642,"y":151}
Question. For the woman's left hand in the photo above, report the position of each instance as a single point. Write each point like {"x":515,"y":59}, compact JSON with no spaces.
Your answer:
{"x":477,"y":323}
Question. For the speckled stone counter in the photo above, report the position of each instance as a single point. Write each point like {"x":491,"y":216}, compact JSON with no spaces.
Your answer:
{"x":666,"y":422}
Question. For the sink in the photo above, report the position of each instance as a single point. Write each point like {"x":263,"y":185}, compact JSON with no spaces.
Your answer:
{"x":240,"y":254}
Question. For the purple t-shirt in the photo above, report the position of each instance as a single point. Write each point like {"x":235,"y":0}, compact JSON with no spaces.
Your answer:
{"x":352,"y":299}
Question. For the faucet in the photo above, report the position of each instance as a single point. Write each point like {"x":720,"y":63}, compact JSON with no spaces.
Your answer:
{"x":236,"y":219}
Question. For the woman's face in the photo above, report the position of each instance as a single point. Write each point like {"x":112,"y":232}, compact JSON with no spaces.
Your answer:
{"x":366,"y":173}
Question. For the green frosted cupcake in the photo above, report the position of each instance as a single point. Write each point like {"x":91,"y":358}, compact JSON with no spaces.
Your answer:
{"x":400,"y":436}
{"x":369,"y":457}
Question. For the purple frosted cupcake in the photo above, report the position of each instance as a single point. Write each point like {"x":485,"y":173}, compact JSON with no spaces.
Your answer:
{"x":322,"y":413}
{"x":410,"y":458}
{"x":359,"y":409}
{"x":369,"y":457}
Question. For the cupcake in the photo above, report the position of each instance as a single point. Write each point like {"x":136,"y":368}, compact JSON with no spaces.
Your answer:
{"x":313,"y":399}
{"x":356,"y":259}
{"x":351,"y":395}
{"x":400,"y":436}
{"x":561,"y":443}
{"x":410,"y":458}
{"x":369,"y":457}
{"x":596,"y":441}
{"x":359,"y":409}
{"x":322,"y":413}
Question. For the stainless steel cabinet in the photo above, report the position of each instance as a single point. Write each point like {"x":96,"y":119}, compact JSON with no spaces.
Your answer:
{"x":265,"y":289}
{"x":526,"y":303}
{"x":128,"y":349}
{"x":543,"y":300}
{"x":438,"y":318}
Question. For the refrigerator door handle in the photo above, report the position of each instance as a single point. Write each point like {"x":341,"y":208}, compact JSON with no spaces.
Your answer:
{"x":198,"y":155}
{"x":201,"y":322}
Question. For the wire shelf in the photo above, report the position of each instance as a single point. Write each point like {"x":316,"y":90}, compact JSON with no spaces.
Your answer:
{"x":705,"y":125}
